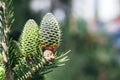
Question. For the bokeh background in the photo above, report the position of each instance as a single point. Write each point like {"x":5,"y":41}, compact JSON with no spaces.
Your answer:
{"x":91,"y":30}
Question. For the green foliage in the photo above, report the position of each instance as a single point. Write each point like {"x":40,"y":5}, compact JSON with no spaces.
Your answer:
{"x":2,"y":73}
{"x":10,"y":12}
{"x":38,"y":68}
{"x":0,"y":57}
{"x":14,"y":53}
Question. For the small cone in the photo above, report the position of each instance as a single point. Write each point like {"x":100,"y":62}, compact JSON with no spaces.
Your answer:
{"x":30,"y":38}
{"x":50,"y":33}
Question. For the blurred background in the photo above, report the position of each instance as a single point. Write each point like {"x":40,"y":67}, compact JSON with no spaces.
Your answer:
{"x":91,"y":30}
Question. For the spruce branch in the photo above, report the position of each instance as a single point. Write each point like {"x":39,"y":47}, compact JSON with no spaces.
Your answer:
{"x":36,"y":53}
{"x":6,"y":16}
{"x":41,"y":68}
{"x":7,"y":19}
{"x":39,"y":59}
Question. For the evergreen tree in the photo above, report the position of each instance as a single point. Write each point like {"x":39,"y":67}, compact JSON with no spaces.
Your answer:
{"x":35,"y":54}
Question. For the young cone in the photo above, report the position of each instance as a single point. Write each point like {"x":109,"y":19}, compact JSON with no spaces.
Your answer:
{"x":30,"y":38}
{"x":50,"y":33}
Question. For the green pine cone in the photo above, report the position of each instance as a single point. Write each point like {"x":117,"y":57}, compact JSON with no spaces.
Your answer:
{"x":50,"y":33}
{"x":30,"y":38}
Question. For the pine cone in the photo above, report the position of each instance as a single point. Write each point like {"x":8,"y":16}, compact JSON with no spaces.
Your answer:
{"x":50,"y":33}
{"x":30,"y":38}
